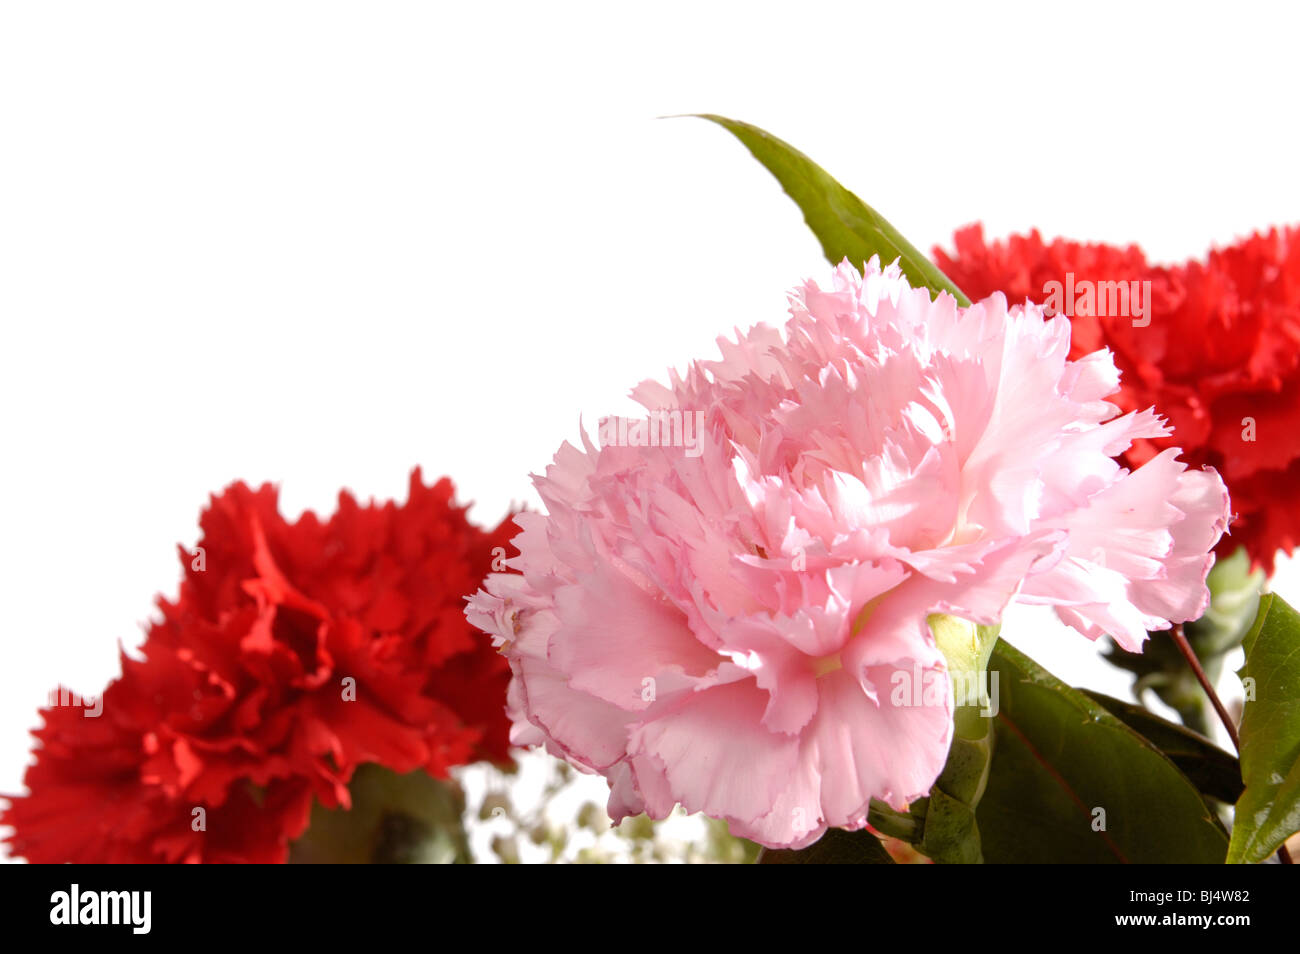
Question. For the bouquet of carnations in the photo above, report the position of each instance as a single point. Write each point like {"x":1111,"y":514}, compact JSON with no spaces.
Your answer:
{"x":776,"y":598}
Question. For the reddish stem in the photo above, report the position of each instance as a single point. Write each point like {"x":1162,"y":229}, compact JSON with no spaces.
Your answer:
{"x":1189,"y":654}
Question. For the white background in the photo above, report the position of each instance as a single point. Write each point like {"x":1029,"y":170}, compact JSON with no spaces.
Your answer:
{"x":319,"y":243}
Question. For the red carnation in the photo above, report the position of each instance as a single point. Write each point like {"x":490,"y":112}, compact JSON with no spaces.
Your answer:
{"x":295,"y":653}
{"x":1219,"y":356}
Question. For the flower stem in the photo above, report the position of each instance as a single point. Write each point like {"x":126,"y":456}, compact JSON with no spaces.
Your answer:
{"x":887,"y":821}
{"x":1184,"y":647}
{"x":1189,"y":654}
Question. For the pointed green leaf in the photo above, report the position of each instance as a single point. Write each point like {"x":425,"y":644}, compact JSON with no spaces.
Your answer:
{"x":1063,"y":767}
{"x":1213,"y":771}
{"x":845,"y":225}
{"x":1268,"y":812}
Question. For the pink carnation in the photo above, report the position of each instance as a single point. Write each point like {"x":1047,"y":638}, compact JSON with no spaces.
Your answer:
{"x":724,"y":617}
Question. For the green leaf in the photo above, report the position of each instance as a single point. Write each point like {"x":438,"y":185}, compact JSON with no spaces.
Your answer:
{"x":1058,"y":757}
{"x":394,"y":819}
{"x":845,"y":225}
{"x":1213,"y":771}
{"x":836,"y":847}
{"x":1268,"y":812}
